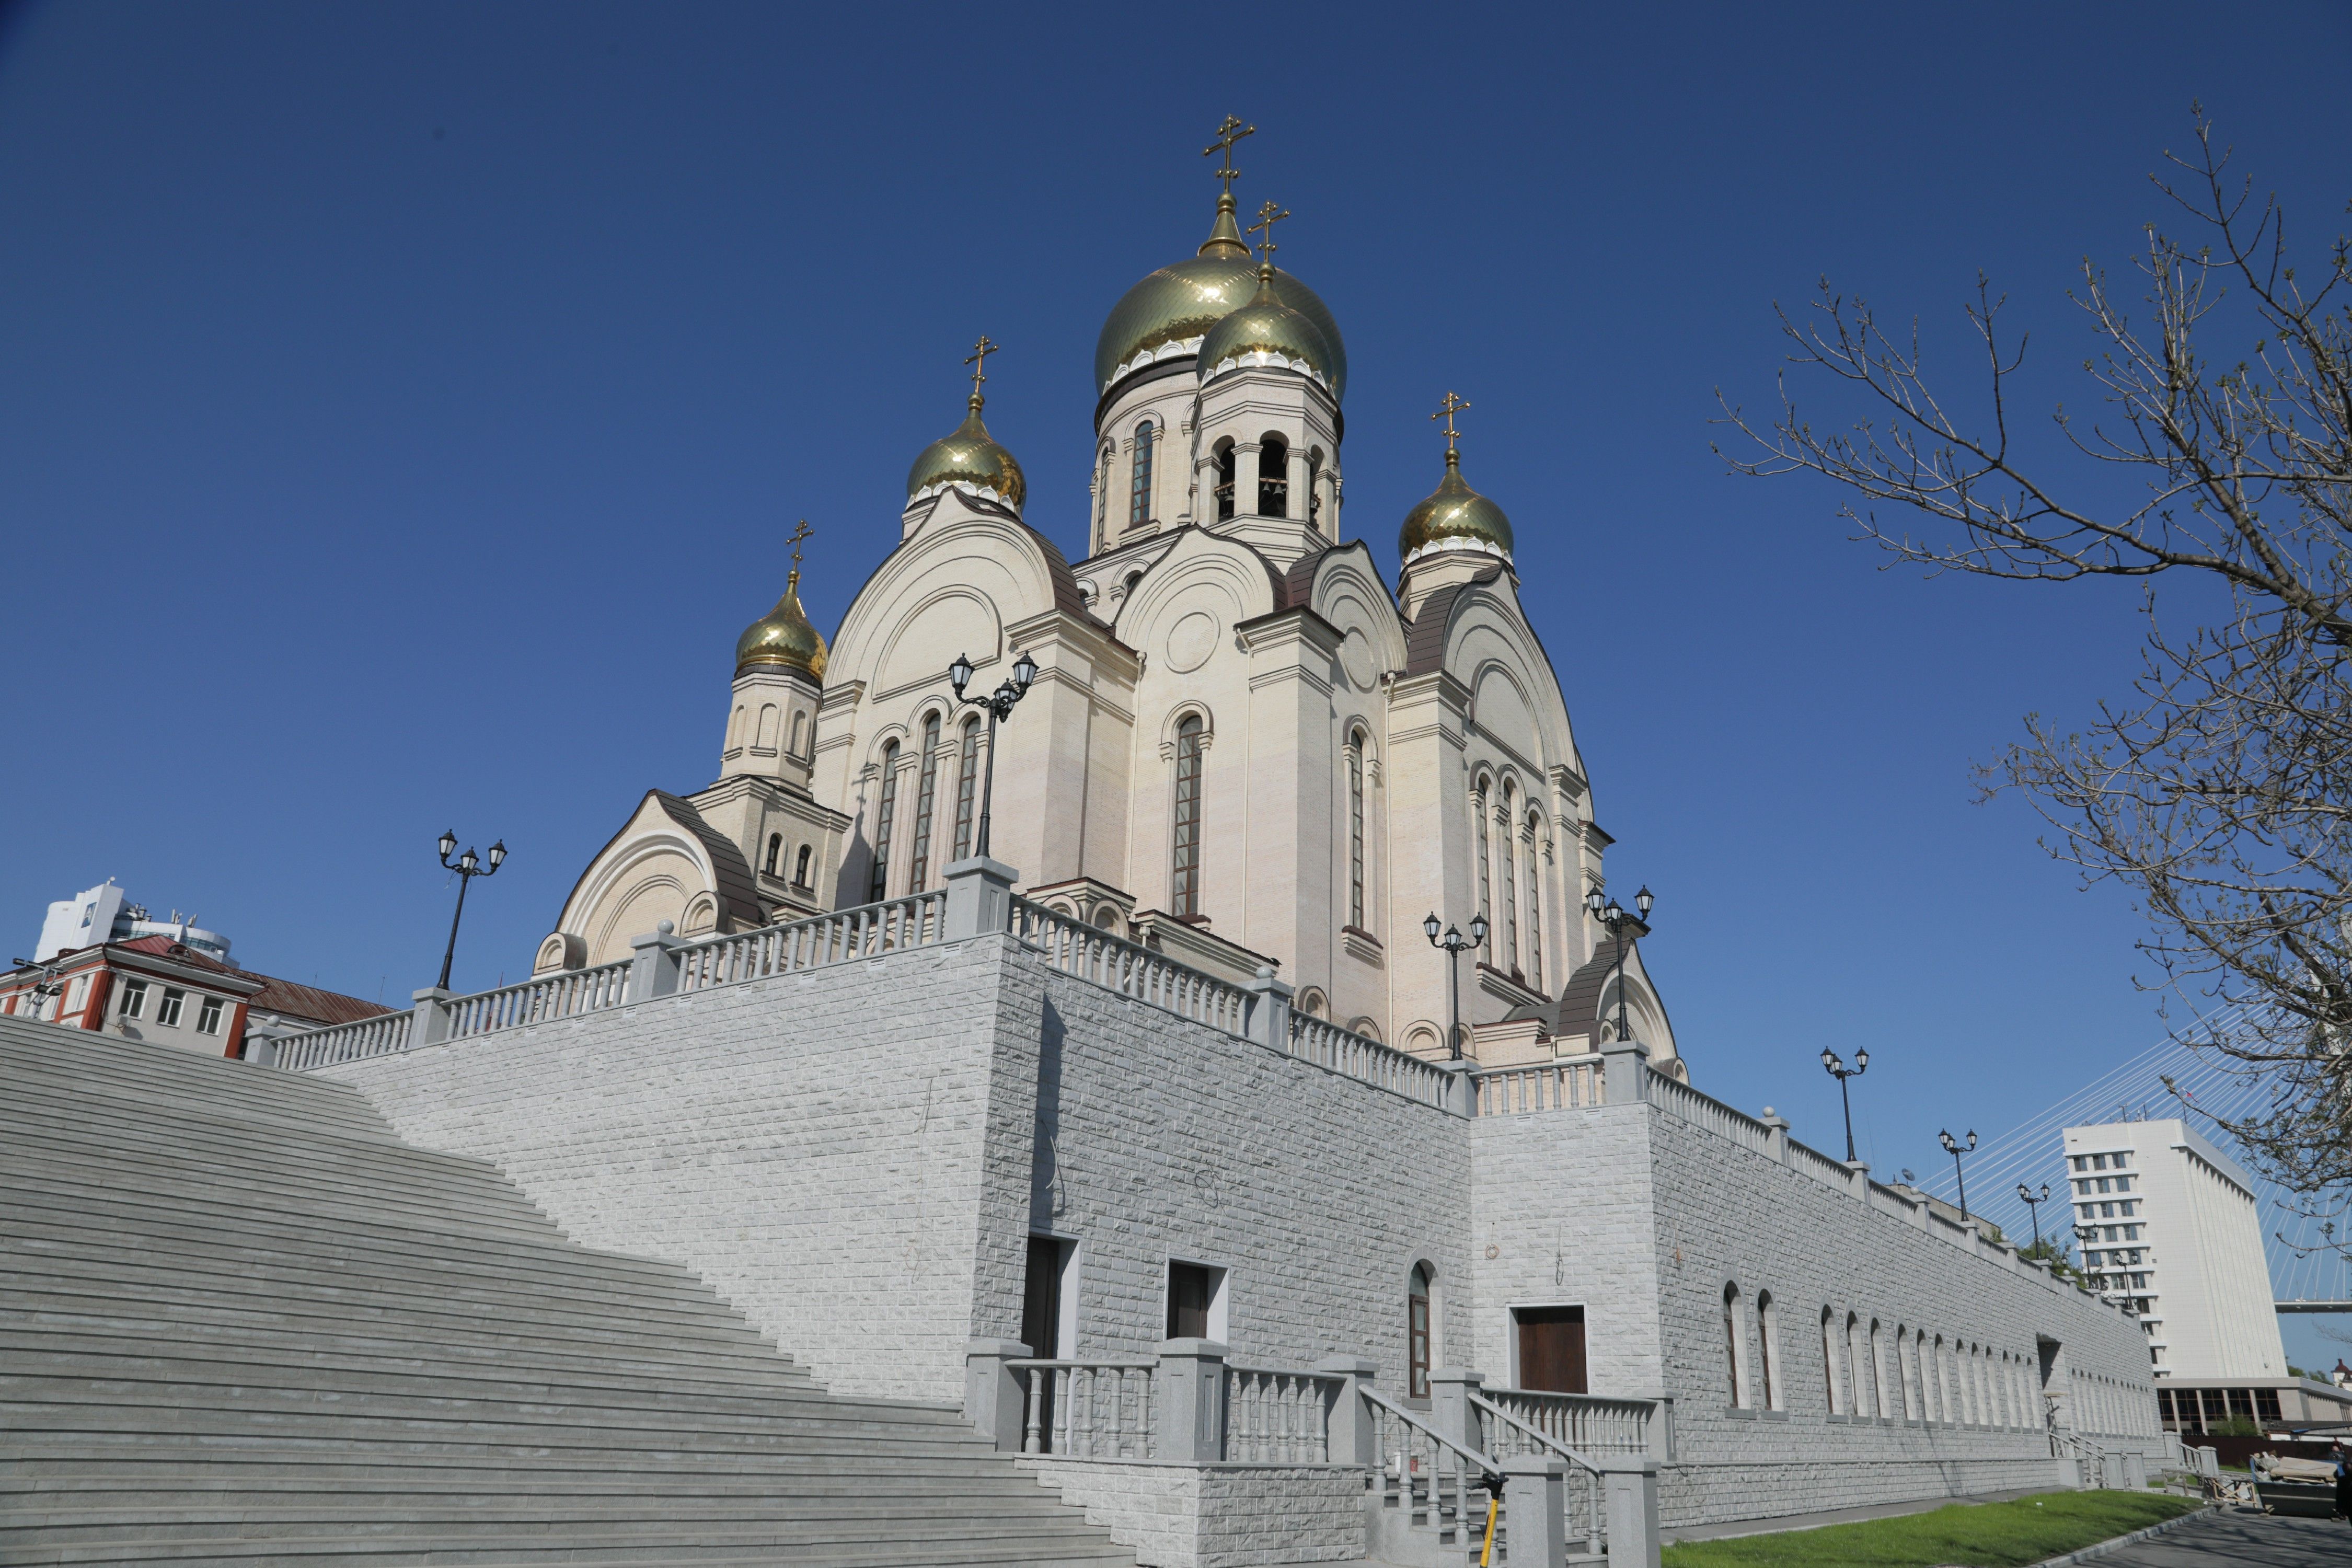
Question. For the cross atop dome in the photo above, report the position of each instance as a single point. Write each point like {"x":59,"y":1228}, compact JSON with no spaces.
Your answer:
{"x":1267,"y":216}
{"x":1454,"y":403}
{"x":1231,"y":132}
{"x":978,"y":360}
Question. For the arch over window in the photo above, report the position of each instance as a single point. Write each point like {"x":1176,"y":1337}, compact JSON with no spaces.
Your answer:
{"x":1356,"y":829}
{"x":1314,"y":1004}
{"x":1509,"y":820}
{"x":1478,"y":820}
{"x":925,"y":793}
{"x":967,"y":784}
{"x":775,"y":850}
{"x":1831,"y":1384}
{"x":799,"y":728}
{"x":1224,"y":486}
{"x":1417,"y":1331}
{"x":1139,"y":490}
{"x":801,"y":866}
{"x":1273,"y":477}
{"x":1768,"y":1352}
{"x":1184,"y":878}
{"x":885,"y":811}
{"x":1534,"y":902}
{"x":1368,"y":1028}
{"x":1734,"y":1352}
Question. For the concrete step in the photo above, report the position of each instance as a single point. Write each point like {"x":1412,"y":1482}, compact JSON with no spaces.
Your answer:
{"x":645,"y":1518}
{"x":347,"y":1117}
{"x":31,"y":1050}
{"x":219,"y":1191}
{"x":153,"y":1468}
{"x":586,"y":1551}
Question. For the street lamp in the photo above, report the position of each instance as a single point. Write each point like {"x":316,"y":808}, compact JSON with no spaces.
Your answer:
{"x":1835,"y":1065}
{"x":998,"y":705}
{"x":468,"y":866}
{"x":1955,"y":1148}
{"x":1453,"y":944}
{"x":1610,"y":914}
{"x":2033,"y":1206}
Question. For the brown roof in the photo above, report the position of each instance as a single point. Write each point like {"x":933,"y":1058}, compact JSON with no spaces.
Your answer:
{"x":286,"y":997}
{"x":1425,"y":644}
{"x":739,"y":896}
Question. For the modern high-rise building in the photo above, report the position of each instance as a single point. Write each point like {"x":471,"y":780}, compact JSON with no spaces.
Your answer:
{"x":104,"y":914}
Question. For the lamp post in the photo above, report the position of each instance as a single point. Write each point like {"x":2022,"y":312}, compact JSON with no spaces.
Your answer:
{"x":998,"y":705}
{"x":1453,"y":944}
{"x":2033,"y":1206}
{"x":1955,"y":1148}
{"x":1835,"y":1065}
{"x":468,"y":866}
{"x":1610,"y":913}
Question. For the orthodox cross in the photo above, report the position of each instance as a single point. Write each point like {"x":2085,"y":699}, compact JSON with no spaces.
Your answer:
{"x":1267,"y":216}
{"x":978,"y":360}
{"x":1231,"y":132}
{"x":1446,"y":411}
{"x":803,"y":531}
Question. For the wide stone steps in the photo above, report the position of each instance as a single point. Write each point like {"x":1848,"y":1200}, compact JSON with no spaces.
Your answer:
{"x":242,"y":1322}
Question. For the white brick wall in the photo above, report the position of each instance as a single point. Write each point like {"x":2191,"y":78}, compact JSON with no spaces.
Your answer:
{"x":1217,"y":1516}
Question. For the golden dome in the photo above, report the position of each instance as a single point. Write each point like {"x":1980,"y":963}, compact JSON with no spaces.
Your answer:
{"x":1454,"y":517}
{"x":1184,"y":300}
{"x":969,"y":455}
{"x":782,"y":637}
{"x":1265,"y":325}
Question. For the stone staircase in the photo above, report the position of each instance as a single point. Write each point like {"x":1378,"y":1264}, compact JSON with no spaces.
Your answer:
{"x":241,"y":1321}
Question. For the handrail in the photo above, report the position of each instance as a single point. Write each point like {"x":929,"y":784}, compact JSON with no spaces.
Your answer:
{"x":1419,"y":1471}
{"x":1360,"y":1056}
{"x":1129,"y":968}
{"x":565,"y":994}
{"x":1098,"y":1408}
{"x":1535,"y":1433}
{"x":375,"y":1036}
{"x":1279,"y":1415}
{"x":1569,"y":1083}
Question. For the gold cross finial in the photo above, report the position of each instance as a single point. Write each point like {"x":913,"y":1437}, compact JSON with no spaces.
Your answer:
{"x":1267,"y":216}
{"x":978,"y":360}
{"x":1231,"y":132}
{"x":1446,"y":410}
{"x":803,"y":531}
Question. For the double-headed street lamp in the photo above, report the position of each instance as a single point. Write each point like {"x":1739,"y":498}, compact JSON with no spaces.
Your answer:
{"x":1955,"y":1148}
{"x":1610,"y":913}
{"x":997,"y":704}
{"x":2033,"y":1206}
{"x":468,"y":866}
{"x":1835,"y":1065}
{"x":1453,"y":944}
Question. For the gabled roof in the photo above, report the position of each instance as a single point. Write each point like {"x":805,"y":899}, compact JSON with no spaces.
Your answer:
{"x":1424,"y":643}
{"x":739,"y":896}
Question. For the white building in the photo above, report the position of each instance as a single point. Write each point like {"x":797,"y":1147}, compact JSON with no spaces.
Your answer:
{"x":104,"y":914}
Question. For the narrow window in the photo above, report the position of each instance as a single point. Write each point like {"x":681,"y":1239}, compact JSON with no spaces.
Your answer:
{"x":801,"y":866}
{"x":775,"y":850}
{"x":1535,"y":900}
{"x":967,"y":785}
{"x":878,"y":888}
{"x":1486,"y":890}
{"x":1830,"y":1361}
{"x":1416,"y":1327}
{"x":734,"y":735}
{"x":1102,"y":493}
{"x":800,"y":723}
{"x":1224,"y":487}
{"x":1356,"y":830}
{"x":1315,"y":487}
{"x":1139,"y":490}
{"x":1185,"y":886}
{"x":1192,"y":1292}
{"x":1731,"y":1343}
{"x":1877,"y":1375}
{"x":134,"y":998}
{"x":766,"y":738}
{"x":1858,"y":1385}
{"x":168,"y":1015}
{"x":1273,"y":478}
{"x":208,"y":1017}
{"x":923,"y":793}
{"x":1511,"y":964}
{"x":1768,"y":1350}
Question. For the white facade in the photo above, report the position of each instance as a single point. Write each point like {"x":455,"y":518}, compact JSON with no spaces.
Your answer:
{"x":2179,"y":1234}
{"x":103,"y":914}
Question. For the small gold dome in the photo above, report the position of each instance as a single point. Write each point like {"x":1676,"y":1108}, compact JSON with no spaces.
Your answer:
{"x":969,"y":455}
{"x":1454,"y":517}
{"x":782,"y":637}
{"x":1185,"y":300}
{"x":1266,"y":325}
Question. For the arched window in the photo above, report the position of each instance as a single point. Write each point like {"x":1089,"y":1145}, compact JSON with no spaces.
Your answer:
{"x":967,"y":785}
{"x":735,"y":728}
{"x":1315,"y":486}
{"x":1858,"y":1380}
{"x":1768,"y":1350}
{"x":1356,"y":830}
{"x":1535,"y":899}
{"x":1509,"y":821}
{"x":800,"y":725}
{"x":1878,"y":1405}
{"x":1478,"y":818}
{"x":767,"y":737}
{"x":801,"y":866}
{"x":1273,"y":477}
{"x":924,"y":793}
{"x":1417,"y":1338}
{"x":1139,"y":491}
{"x":775,"y":850}
{"x":878,"y":888}
{"x":1829,"y":1363}
{"x":1102,"y":491}
{"x":1184,"y":883}
{"x":1733,"y":1358}
{"x":1224,"y":486}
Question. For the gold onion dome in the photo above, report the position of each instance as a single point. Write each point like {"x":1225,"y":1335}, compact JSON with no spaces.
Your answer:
{"x":969,"y":455}
{"x":1265,"y":325}
{"x":783,"y":639}
{"x":1180,"y":302}
{"x":1454,"y":517}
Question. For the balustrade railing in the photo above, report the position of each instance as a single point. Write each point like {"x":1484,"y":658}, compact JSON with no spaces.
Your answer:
{"x":1705,"y":1110}
{"x":1427,"y":1478}
{"x":1129,"y":968}
{"x":1279,"y":1418}
{"x":867,"y":931}
{"x":1587,"y":1423}
{"x":1816,"y":1163}
{"x":1518,"y":1423}
{"x":563,"y":996}
{"x":375,"y":1036}
{"x":1085,"y":1409}
{"x":1567,"y":1085}
{"x":1329,"y":1045}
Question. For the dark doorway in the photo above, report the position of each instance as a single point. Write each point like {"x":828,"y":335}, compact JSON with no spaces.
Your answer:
{"x":1551,"y":1349}
{"x":1417,"y":1336}
{"x":1041,"y":1301}
{"x":1191,"y":1291}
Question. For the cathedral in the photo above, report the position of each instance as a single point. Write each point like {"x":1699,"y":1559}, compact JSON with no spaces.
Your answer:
{"x":1241,"y":744}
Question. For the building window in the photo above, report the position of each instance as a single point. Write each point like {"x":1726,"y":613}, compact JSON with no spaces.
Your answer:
{"x":1768,"y":1350}
{"x":1732,"y":1358}
{"x":923,"y":793}
{"x":1510,"y":881}
{"x":967,"y":785}
{"x":1273,"y":477}
{"x":1356,"y":830}
{"x":1879,"y":1406}
{"x":1196,"y":1301}
{"x":1417,"y":1342}
{"x":168,"y":1015}
{"x":1478,"y":819}
{"x":208,"y":1017}
{"x":1535,"y":902}
{"x":1184,"y":894}
{"x":134,"y":999}
{"x":799,"y":720}
{"x":801,"y":866}
{"x":1224,"y":486}
{"x":775,"y":851}
{"x":1315,"y":486}
{"x":1139,"y":490}
{"x":878,"y":887}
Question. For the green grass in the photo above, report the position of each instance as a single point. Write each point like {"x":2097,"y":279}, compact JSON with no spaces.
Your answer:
{"x":1979,"y":1535}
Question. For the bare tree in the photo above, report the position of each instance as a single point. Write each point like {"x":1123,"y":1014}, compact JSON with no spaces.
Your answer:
{"x":2220,"y":792}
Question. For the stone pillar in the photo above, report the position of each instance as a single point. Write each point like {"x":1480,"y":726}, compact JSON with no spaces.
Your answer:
{"x":1625,"y":1072}
{"x":2136,"y":1471}
{"x":261,"y":1043}
{"x":1269,"y":1010}
{"x":1349,"y":1427}
{"x":979,"y":898}
{"x":654,"y":963}
{"x":1857,"y":1178}
{"x":1191,"y":1402}
{"x":1662,"y":1429}
{"x":1451,"y":1414}
{"x":432,"y":1025}
{"x":1244,"y":478}
{"x":993,"y":1391}
{"x":1629,"y":1497}
{"x":1534,"y":1507}
{"x":1778,"y":1129}
{"x":1461,"y":1086}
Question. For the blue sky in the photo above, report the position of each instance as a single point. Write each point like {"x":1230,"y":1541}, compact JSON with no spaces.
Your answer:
{"x":402,"y":409}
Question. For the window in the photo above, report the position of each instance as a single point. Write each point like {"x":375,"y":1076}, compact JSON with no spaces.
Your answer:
{"x":1184,"y":886}
{"x":1768,"y":1350}
{"x":1315,"y":486}
{"x":1416,"y":1311}
{"x":77,"y":993}
{"x":734,"y":740}
{"x":1551,"y":1348}
{"x":1858,"y":1383}
{"x":208,"y":1017}
{"x":967,"y":785}
{"x":1486,"y":889}
{"x":878,"y":887}
{"x":799,"y":720}
{"x":1356,"y":830}
{"x":1829,"y":1363}
{"x":775,"y":850}
{"x":134,"y":999}
{"x":168,"y":1015}
{"x":1510,"y":956}
{"x":1733,"y":1359}
{"x":923,"y":793}
{"x":801,"y":866}
{"x":1138,"y":496}
{"x":1273,"y":477}
{"x":1196,"y":1301}
{"x":1224,"y":486}
{"x":1878,"y":1405}
{"x":2098,"y":1162}
{"x":1535,"y":902}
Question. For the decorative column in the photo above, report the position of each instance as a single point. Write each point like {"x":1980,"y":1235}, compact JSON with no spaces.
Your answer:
{"x":993,"y":1395}
{"x":1348,"y":1434}
{"x":1244,"y":478}
{"x":653,"y":964}
{"x":1630,"y":1495}
{"x":979,"y":898}
{"x":1535,"y":1509}
{"x":1191,"y":1402}
{"x":1451,"y":1414}
{"x":1777,"y":1126}
{"x":1269,"y":1010}
{"x":1625,"y":1072}
{"x":432,"y":1025}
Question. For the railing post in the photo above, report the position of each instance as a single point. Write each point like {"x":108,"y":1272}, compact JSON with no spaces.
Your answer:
{"x":1191,"y":1403}
{"x":1451,"y":1414}
{"x":1777,"y":1128}
{"x":1629,"y":1490}
{"x":432,"y":1026}
{"x":1625,"y":1072}
{"x":653,"y":962}
{"x":1461,"y":1086}
{"x":1857,"y":1178}
{"x":1269,"y":1010}
{"x":261,"y":1043}
{"x":979,"y":898}
{"x":1348,"y":1430}
{"x":1662,"y":1428}
{"x":1534,"y":1510}
{"x":993,"y":1391}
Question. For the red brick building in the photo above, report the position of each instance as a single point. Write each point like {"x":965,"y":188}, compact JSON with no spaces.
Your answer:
{"x":155,"y":988}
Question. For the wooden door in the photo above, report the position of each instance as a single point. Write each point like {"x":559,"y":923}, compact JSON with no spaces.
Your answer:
{"x":1190,"y":1289}
{"x":1551,"y":1349}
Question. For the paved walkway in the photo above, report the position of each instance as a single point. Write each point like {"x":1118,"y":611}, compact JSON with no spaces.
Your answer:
{"x":2231,"y":1540}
